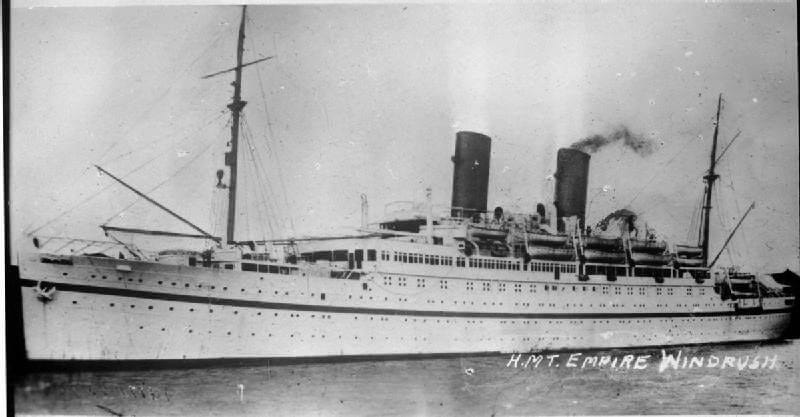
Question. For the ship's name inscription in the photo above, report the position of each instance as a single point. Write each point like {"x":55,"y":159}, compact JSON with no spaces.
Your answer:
{"x":667,"y":361}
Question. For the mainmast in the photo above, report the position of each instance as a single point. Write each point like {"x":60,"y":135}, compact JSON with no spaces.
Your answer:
{"x":236,"y":106}
{"x":709,"y":178}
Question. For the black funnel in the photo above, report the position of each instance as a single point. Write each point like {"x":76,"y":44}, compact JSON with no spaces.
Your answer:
{"x":470,"y":174}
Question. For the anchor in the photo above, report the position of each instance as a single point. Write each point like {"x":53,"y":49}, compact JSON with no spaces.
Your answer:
{"x":44,"y":294}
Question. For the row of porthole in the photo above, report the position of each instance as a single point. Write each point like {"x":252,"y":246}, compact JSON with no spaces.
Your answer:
{"x":350,"y":296}
{"x":191,"y":309}
{"x":616,"y":288}
{"x":175,"y":284}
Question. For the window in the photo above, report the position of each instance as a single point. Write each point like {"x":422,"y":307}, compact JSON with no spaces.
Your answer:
{"x":249,"y":267}
{"x":371,"y":255}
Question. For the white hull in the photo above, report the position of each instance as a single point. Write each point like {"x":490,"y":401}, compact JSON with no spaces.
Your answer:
{"x":260,"y":315}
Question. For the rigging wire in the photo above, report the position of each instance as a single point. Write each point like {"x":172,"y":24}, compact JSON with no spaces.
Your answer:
{"x":695,"y":219}
{"x":149,"y":109}
{"x":170,"y":177}
{"x":261,"y":206}
{"x":659,"y":172}
{"x":733,"y":244}
{"x":159,"y":140}
{"x":263,"y":183}
{"x":277,"y":163}
{"x":98,"y":192}
{"x":245,"y":197}
{"x":262,"y":203}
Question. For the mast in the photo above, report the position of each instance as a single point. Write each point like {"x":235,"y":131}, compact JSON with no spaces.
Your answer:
{"x":236,"y":106}
{"x":709,"y":178}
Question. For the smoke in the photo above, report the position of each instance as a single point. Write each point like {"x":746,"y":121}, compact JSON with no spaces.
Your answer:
{"x":637,"y":143}
{"x":627,"y":217}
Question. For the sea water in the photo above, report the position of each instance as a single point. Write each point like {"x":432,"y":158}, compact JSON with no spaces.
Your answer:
{"x":744,"y":379}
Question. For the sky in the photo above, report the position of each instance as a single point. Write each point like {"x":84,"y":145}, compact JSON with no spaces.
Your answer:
{"x":366,"y":99}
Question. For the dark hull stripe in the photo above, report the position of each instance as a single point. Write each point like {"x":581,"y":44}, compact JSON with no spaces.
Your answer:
{"x":185,"y":298}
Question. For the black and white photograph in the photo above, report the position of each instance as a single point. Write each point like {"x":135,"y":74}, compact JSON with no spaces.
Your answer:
{"x":483,"y":208}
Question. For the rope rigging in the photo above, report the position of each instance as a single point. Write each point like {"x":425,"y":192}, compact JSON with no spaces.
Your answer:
{"x":124,"y":176}
{"x":154,"y":104}
{"x":261,"y":177}
{"x":269,"y":134}
{"x":170,"y":177}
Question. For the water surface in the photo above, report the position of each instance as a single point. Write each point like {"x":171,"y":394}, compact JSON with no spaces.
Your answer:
{"x":483,"y":386}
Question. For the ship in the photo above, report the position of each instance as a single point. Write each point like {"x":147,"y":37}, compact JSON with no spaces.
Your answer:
{"x":467,"y":280}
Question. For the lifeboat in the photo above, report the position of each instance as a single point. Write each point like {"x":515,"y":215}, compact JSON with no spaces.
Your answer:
{"x":499,"y":249}
{"x":691,"y":262}
{"x":644,"y":258}
{"x":648,"y":246}
{"x":687,"y":251}
{"x":593,"y":255}
{"x":551,"y":254}
{"x":595,"y":242}
{"x":489,"y":233}
{"x":547,"y":240}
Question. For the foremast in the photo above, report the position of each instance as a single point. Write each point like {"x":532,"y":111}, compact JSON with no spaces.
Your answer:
{"x":231,"y":157}
{"x":709,"y":179}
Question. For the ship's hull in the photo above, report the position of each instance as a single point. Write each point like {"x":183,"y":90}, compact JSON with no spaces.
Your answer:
{"x":146,"y":311}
